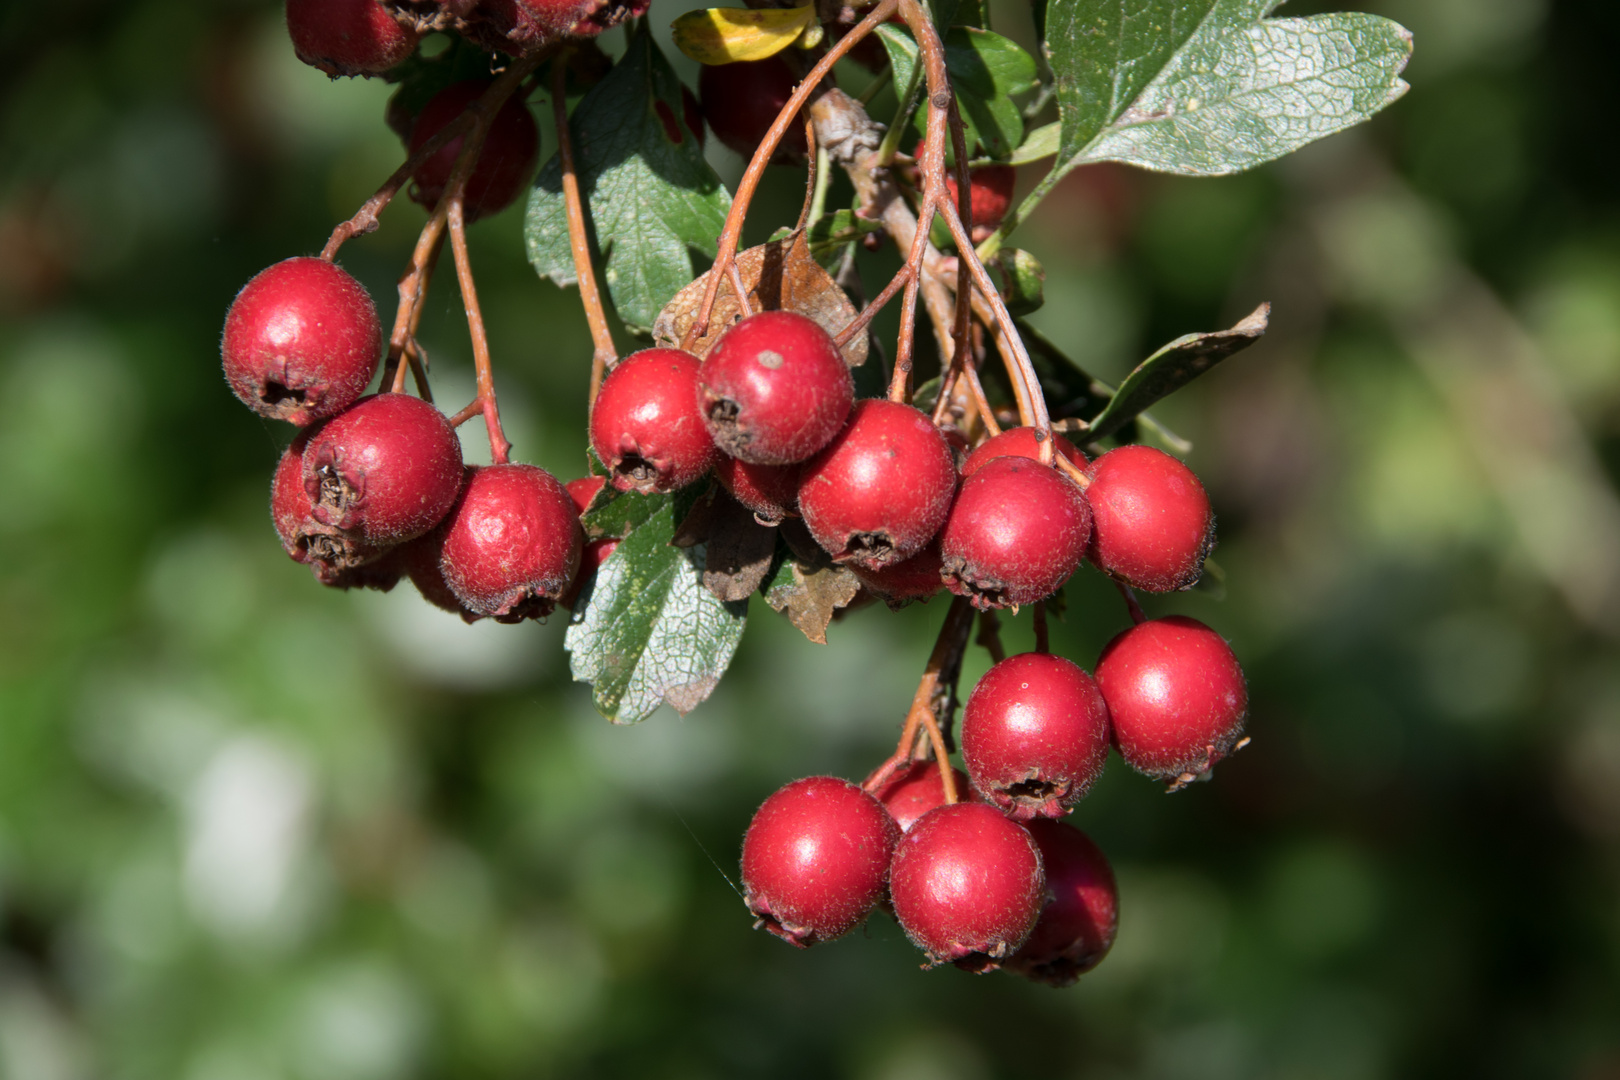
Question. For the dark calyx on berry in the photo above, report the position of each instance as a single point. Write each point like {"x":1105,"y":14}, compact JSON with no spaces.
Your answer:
{"x":1016,"y":532}
{"x":774,"y":389}
{"x":645,"y":425}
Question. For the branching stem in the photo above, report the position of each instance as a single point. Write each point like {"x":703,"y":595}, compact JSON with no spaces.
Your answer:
{"x":946,"y":656}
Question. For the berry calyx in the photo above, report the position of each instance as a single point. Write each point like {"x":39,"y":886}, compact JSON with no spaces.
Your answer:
{"x":990,"y":192}
{"x":741,"y":101}
{"x":1151,"y":521}
{"x":385,"y":471}
{"x":815,"y":859}
{"x":774,"y":389}
{"x":1035,"y":735}
{"x":301,"y":341}
{"x":881,"y":489}
{"x":1019,"y":442}
{"x":1077,"y":927}
{"x":512,"y":543}
{"x":505,"y":162}
{"x":1176,"y":697}
{"x":645,"y":425}
{"x":347,"y":37}
{"x":911,"y":793}
{"x":967,"y":885}
{"x":1016,"y":532}
{"x":770,"y":491}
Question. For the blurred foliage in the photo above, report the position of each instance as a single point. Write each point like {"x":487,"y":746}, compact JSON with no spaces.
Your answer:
{"x":250,"y":829}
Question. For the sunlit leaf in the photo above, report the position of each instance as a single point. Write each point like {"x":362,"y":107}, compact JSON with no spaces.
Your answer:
{"x":726,"y":35}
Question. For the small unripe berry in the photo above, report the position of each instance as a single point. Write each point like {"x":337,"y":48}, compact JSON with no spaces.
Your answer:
{"x":881,"y":489}
{"x":815,"y":859}
{"x":385,"y":471}
{"x":967,"y":885}
{"x":301,"y":341}
{"x":916,"y":578}
{"x":990,"y":192}
{"x":741,"y":101}
{"x":774,"y":389}
{"x":1077,"y":927}
{"x":770,"y":491}
{"x":1151,"y":521}
{"x":1035,"y":735}
{"x":1016,"y":532}
{"x":645,"y":425}
{"x":1018,"y":442}
{"x":347,"y":37}
{"x":505,"y":162}
{"x":512,"y":543}
{"x":917,"y":789}
{"x":1176,"y":697}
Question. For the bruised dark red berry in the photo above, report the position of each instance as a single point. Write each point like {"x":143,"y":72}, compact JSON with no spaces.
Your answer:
{"x":1151,"y":520}
{"x":775,"y":389}
{"x":301,"y":341}
{"x":1176,"y":697}
{"x":512,"y":543}
{"x":1018,"y":442}
{"x":770,"y":491}
{"x":967,"y":885}
{"x":1035,"y":735}
{"x":741,"y":101}
{"x":529,"y":24}
{"x":347,"y":37}
{"x":815,"y":859}
{"x":645,"y":425}
{"x":990,"y":192}
{"x":505,"y":162}
{"x":916,"y":578}
{"x":881,"y":489}
{"x":1077,"y":927}
{"x":385,"y":471}
{"x":917,"y":789}
{"x":1016,"y":532}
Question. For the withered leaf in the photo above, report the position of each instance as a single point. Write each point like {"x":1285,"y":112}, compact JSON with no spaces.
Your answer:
{"x":740,"y":549}
{"x":810,"y":595}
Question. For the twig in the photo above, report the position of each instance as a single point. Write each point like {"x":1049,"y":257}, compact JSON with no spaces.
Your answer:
{"x":945,"y":657}
{"x":1138,"y":616}
{"x":485,"y":403}
{"x":990,"y":636}
{"x":1043,"y":640}
{"x":365,"y":218}
{"x":603,"y":351}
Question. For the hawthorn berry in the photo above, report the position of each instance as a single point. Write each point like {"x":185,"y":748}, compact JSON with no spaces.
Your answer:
{"x":1076,"y":928}
{"x":1176,"y":697}
{"x":645,"y":425}
{"x":1016,"y":532}
{"x":967,"y":885}
{"x":301,"y":341}
{"x":916,"y":578}
{"x":512,"y":543}
{"x":1151,"y":520}
{"x":881,"y":489}
{"x":584,"y":490}
{"x":505,"y":162}
{"x":1035,"y":735}
{"x":385,"y":471}
{"x":741,"y":101}
{"x":595,"y":552}
{"x":422,"y":561}
{"x":815,"y":859}
{"x":990,"y":192}
{"x":770,"y":491}
{"x":917,"y":789}
{"x":347,"y":37}
{"x":531,"y":23}
{"x":774,"y":389}
{"x":1019,"y":442}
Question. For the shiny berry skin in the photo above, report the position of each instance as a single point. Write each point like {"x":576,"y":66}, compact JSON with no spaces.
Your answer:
{"x":385,"y":471}
{"x":1151,"y":521}
{"x":770,"y":491}
{"x":741,"y":100}
{"x":774,"y":389}
{"x":990,"y":192}
{"x":1077,"y":927}
{"x":815,"y":859}
{"x":881,"y":489}
{"x":917,"y":789}
{"x":512,"y":543}
{"x":1035,"y":735}
{"x":347,"y":37}
{"x":301,"y":341}
{"x":1176,"y":696}
{"x":916,"y":578}
{"x":967,"y":885}
{"x":505,"y":163}
{"x":645,"y":425}
{"x":1016,"y":532}
{"x":1018,"y":442}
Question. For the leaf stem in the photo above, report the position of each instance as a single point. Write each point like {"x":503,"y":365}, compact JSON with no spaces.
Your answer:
{"x":994,"y":241}
{"x":603,"y":351}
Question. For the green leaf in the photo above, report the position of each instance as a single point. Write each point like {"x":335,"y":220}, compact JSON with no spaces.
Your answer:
{"x":986,"y":70}
{"x":829,"y":235}
{"x":1023,"y":280}
{"x":651,"y":196}
{"x":1210,"y":87}
{"x":1038,"y":144}
{"x":649,"y":633}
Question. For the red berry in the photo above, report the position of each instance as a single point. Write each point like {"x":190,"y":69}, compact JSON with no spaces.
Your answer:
{"x":301,"y":341}
{"x":815,"y":859}
{"x":967,"y":885}
{"x":775,"y":389}
{"x":347,"y":37}
{"x":916,"y":578}
{"x":1035,"y":735}
{"x":591,"y":558}
{"x":584,"y":490}
{"x":1076,"y":928}
{"x":741,"y":101}
{"x":531,"y":23}
{"x":385,"y":471}
{"x":881,"y":489}
{"x":1017,"y":531}
{"x":422,"y":559}
{"x":504,"y":164}
{"x":512,"y":544}
{"x":990,"y":192}
{"x":910,"y":794}
{"x":1152,"y":525}
{"x":1018,"y":442}
{"x":1176,"y":696}
{"x":645,"y":425}
{"x":770,"y":491}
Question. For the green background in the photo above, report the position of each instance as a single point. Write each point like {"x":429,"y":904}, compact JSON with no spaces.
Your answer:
{"x":252,"y":829}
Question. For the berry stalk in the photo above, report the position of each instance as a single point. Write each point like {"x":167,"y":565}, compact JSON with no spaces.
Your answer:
{"x":603,"y":353}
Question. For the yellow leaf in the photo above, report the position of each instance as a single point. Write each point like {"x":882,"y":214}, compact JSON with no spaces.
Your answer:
{"x":726,"y":35}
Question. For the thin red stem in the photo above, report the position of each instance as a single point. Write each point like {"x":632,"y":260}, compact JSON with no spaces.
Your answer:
{"x":603,"y":352}
{"x":499,"y":447}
